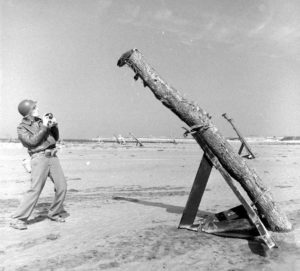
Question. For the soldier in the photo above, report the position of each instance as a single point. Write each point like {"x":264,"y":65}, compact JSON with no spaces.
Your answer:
{"x":39,"y":136}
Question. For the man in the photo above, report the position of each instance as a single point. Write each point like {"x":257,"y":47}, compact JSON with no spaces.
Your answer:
{"x":39,"y":136}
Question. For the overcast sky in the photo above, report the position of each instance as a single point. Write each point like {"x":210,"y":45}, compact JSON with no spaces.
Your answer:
{"x":239,"y":57}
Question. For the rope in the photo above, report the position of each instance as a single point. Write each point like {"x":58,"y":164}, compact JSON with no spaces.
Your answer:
{"x":196,"y":128}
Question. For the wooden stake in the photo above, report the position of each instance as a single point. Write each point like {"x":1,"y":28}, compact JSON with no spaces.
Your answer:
{"x":242,"y":139}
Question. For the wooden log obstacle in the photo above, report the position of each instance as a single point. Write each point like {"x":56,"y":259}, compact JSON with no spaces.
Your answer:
{"x":218,"y":152}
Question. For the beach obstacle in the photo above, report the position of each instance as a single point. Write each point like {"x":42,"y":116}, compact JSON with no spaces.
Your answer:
{"x":117,"y":139}
{"x":220,"y":153}
{"x":244,"y":143}
{"x":120,"y":139}
{"x":138,"y":142}
{"x":241,"y":221}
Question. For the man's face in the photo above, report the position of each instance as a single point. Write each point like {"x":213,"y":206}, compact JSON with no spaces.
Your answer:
{"x":35,"y":111}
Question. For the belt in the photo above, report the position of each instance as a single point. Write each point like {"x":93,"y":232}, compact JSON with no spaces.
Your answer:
{"x":46,"y":153}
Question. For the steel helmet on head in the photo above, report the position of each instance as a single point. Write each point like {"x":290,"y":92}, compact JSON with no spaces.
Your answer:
{"x":25,"y":107}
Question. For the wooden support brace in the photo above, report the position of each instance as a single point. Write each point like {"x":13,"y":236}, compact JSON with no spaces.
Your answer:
{"x":198,"y":188}
{"x":241,"y":148}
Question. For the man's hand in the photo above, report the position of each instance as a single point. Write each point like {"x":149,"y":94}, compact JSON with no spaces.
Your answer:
{"x":45,"y":120}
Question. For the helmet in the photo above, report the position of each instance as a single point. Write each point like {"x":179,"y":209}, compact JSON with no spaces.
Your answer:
{"x":25,"y":107}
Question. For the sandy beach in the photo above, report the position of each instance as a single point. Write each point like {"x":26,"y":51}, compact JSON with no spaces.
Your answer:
{"x":125,"y":204}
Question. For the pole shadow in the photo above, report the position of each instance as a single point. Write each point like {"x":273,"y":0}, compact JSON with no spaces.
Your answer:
{"x":169,"y":208}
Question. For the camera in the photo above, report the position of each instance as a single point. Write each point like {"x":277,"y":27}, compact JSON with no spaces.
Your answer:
{"x":49,"y":116}
{"x":51,"y":119}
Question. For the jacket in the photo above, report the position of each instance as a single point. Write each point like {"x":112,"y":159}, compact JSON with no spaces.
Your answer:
{"x":35,"y":136}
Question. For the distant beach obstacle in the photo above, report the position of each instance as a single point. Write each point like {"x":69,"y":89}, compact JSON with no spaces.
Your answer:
{"x":120,"y":139}
{"x":218,"y":153}
{"x":244,"y":143}
{"x":290,"y":138}
{"x":138,"y":142}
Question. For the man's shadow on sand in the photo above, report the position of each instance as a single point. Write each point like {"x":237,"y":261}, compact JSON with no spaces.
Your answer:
{"x":256,"y":246}
{"x":41,"y":213}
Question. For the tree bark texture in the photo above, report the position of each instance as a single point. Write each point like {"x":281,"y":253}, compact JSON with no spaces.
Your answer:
{"x":191,"y":113}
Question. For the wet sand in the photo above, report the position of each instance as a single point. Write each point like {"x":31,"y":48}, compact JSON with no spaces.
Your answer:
{"x":124,"y":206}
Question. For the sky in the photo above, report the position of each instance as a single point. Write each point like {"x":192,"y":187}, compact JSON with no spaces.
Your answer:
{"x":233,"y":56}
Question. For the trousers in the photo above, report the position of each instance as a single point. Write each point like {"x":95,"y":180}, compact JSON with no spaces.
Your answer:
{"x":42,"y":167}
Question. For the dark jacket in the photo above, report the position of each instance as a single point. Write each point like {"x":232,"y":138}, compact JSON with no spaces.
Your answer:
{"x":35,"y":136}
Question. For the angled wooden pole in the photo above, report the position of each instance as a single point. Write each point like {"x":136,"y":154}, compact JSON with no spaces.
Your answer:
{"x":195,"y":117}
